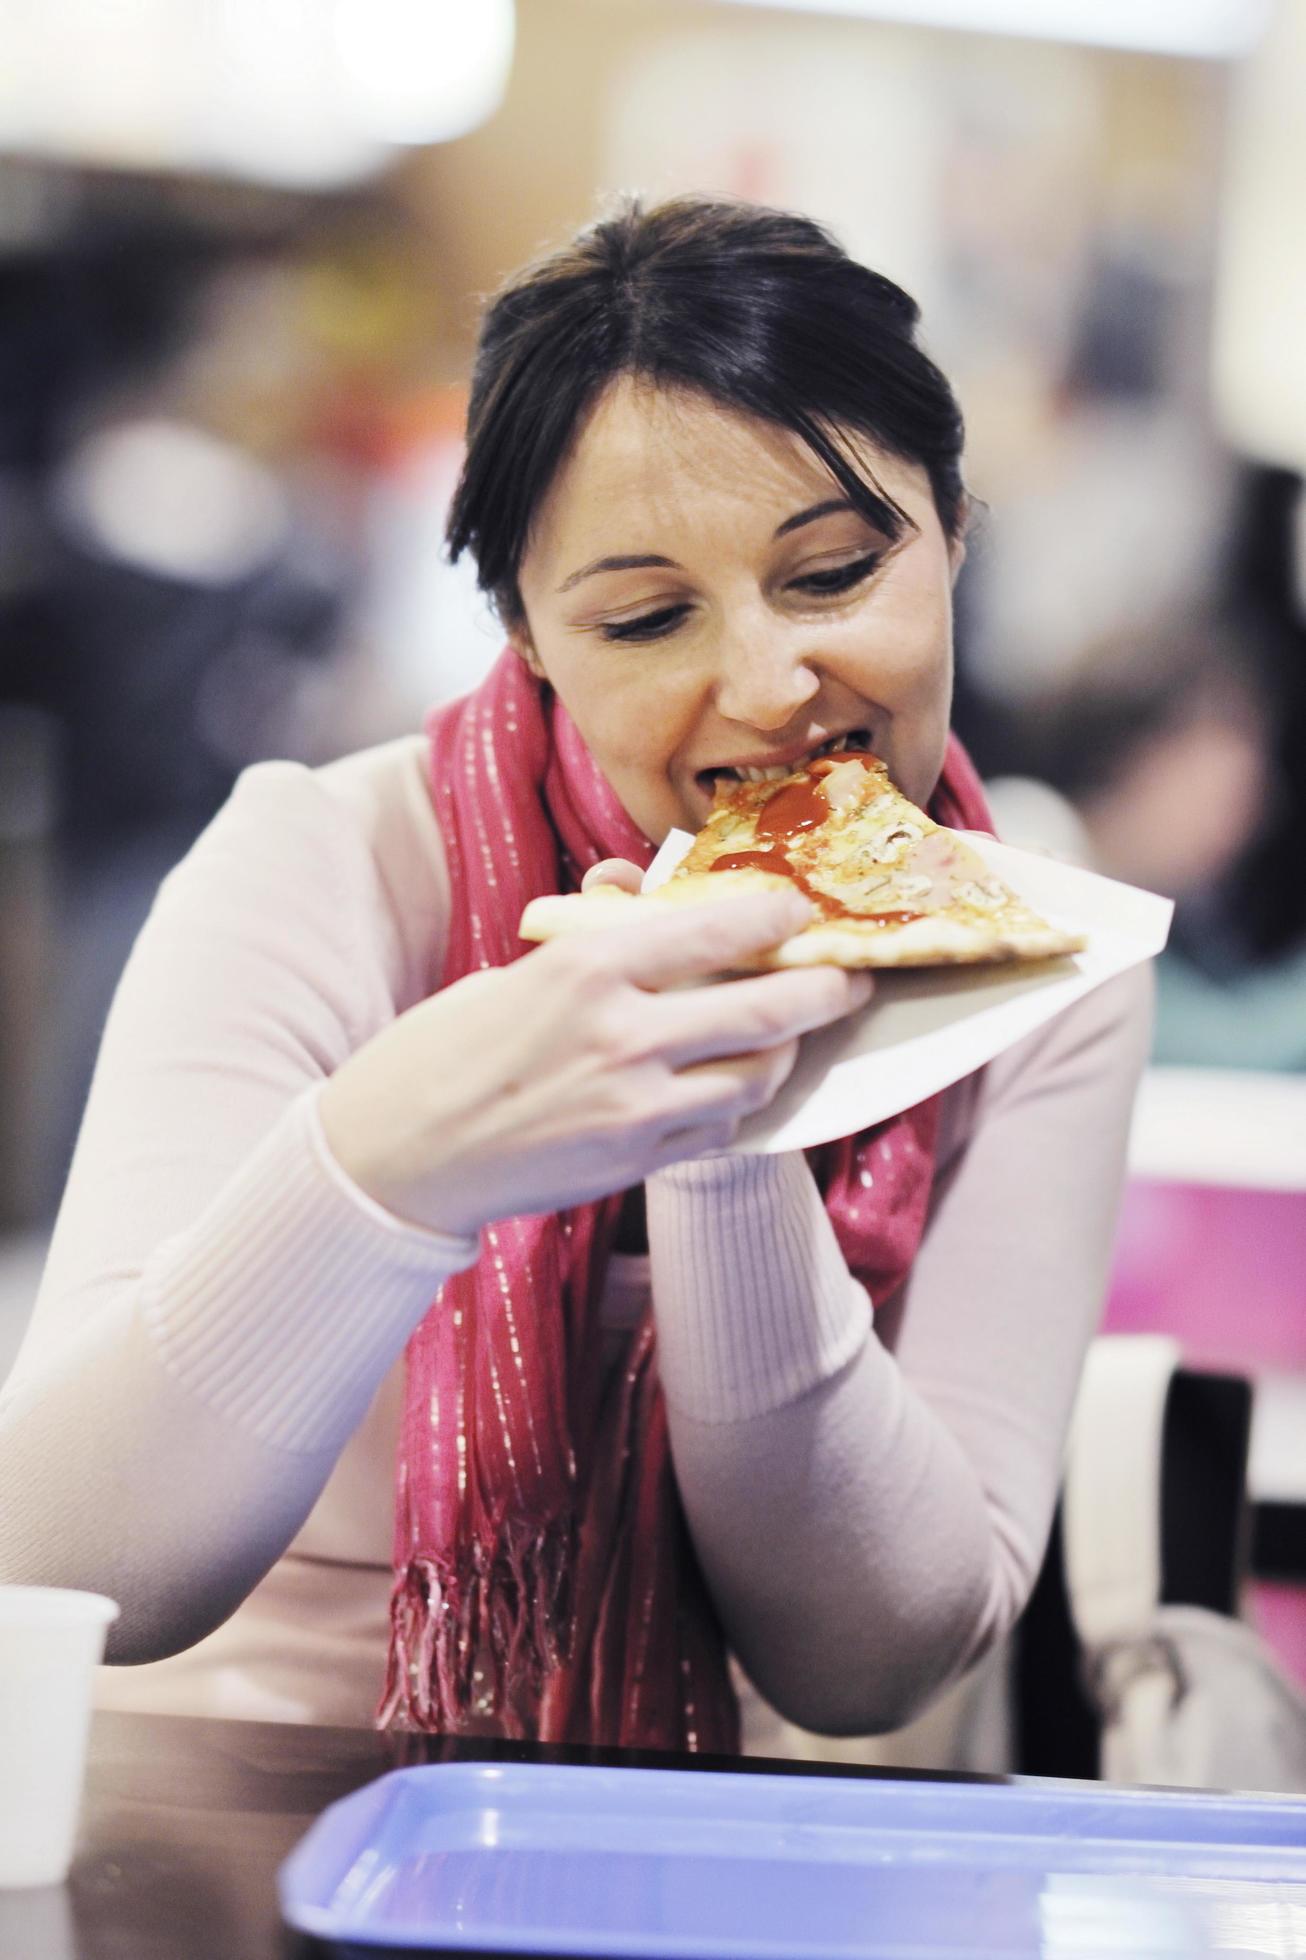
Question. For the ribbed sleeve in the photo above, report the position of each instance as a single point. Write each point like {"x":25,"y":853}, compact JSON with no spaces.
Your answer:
{"x":284,"y":1304}
{"x":867,"y":1540}
{"x":754,"y":1303}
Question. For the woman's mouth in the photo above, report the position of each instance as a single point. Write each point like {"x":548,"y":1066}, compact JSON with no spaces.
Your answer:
{"x":852,"y":740}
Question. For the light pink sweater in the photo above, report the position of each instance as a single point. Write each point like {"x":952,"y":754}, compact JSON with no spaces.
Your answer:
{"x":203,"y":1416}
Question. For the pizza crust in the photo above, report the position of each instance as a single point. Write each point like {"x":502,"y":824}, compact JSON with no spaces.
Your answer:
{"x":924,"y":942}
{"x":604,"y":906}
{"x":557,"y":916}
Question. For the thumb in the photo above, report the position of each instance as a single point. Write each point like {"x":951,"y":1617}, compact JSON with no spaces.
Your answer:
{"x":613,"y":871}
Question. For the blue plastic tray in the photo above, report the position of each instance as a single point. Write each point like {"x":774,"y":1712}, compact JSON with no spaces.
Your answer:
{"x":529,"y":1858}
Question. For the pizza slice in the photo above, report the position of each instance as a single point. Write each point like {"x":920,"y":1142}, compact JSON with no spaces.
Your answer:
{"x":890,"y":887}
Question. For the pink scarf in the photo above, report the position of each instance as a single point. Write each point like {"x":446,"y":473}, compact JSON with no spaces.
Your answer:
{"x":545,"y":1581}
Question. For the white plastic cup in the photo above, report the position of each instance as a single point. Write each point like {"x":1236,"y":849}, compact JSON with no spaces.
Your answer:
{"x":51,"y":1642}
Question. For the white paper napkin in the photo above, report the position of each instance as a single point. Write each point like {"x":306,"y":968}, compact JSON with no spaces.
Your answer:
{"x":927,"y":1028}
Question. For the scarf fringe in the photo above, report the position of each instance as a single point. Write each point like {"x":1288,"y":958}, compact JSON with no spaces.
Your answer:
{"x":477,"y":1640}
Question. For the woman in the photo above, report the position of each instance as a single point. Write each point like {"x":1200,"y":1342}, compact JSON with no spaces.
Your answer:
{"x":713,"y":487}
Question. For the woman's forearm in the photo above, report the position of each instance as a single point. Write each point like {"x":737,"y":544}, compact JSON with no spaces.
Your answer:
{"x":870,"y":1521}
{"x":166,"y":1449}
{"x":122,"y":1481}
{"x":849,"y":1548}
{"x":842,"y":1532}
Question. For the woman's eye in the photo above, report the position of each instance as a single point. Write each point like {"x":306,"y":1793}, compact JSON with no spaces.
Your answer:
{"x":840,"y":578}
{"x":664,"y":620}
{"x":649,"y":626}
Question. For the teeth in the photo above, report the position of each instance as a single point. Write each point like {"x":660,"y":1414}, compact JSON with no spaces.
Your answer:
{"x":855,"y":740}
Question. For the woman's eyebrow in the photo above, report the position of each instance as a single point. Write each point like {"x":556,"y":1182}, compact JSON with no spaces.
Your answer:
{"x":631,"y":562}
{"x":885,"y":516}
{"x":639,"y":561}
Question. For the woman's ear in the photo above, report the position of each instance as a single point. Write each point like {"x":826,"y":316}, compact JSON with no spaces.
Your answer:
{"x":519,"y":639}
{"x":957,"y":542}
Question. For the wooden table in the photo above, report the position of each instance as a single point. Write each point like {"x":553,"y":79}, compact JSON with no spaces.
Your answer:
{"x":184,"y":1825}
{"x":186,"y":1822}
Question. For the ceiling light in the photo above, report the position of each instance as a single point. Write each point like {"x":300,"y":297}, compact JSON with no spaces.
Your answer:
{"x":303,"y":93}
{"x":1216,"y":29}
{"x":422,"y":71}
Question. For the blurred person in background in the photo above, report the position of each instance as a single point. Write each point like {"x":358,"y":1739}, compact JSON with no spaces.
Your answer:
{"x":179,"y":598}
{"x":1210,"y":698}
{"x":659,"y":1403}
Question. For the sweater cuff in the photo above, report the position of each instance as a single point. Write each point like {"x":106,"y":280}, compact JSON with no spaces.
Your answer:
{"x":292,"y":1295}
{"x":755,"y":1306}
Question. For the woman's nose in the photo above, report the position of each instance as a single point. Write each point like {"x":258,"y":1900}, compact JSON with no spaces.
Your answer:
{"x":763,"y":680}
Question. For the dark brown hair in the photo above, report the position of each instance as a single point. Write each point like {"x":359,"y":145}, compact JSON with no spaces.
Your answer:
{"x":759,"y":310}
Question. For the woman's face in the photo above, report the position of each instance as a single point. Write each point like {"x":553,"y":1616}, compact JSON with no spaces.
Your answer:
{"x":705,"y":601}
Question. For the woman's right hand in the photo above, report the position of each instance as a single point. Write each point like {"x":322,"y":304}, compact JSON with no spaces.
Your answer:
{"x":579,"y":1069}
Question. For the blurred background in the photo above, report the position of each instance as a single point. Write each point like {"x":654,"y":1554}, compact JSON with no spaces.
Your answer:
{"x":242,"y":246}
